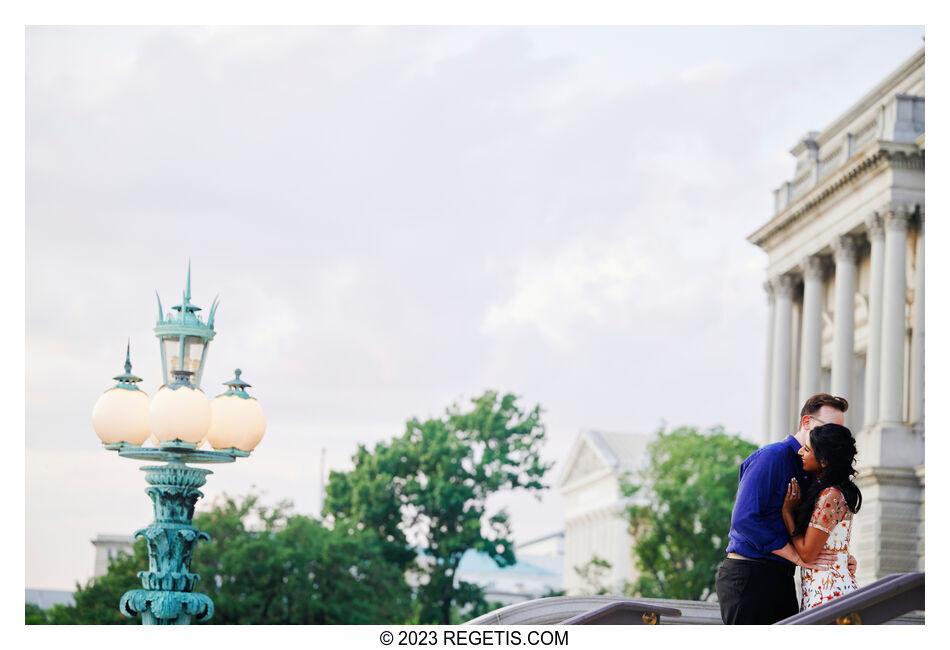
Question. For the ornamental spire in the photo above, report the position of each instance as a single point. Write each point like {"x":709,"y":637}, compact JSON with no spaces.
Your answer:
{"x":127,"y":380}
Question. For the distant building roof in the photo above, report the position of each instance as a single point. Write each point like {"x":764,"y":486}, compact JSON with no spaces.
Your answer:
{"x":113,"y":539}
{"x":476,"y":562}
{"x":597,"y":451}
{"x":559,"y":533}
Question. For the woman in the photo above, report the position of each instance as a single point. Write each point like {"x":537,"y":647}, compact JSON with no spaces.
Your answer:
{"x":822,"y":518}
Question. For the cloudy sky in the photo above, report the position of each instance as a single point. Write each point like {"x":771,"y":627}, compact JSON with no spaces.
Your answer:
{"x":397,"y":219}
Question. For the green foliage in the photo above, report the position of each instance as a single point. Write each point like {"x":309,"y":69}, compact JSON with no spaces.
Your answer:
{"x":265,"y":565}
{"x":35,"y":615}
{"x":682,"y":533}
{"x":593,"y":576}
{"x":428,"y":488}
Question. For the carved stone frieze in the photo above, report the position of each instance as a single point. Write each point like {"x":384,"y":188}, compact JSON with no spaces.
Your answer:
{"x":905,"y":159}
{"x":858,"y":169}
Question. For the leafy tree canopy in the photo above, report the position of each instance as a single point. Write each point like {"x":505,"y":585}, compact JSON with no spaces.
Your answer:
{"x":680,"y":510}
{"x":264,"y":565}
{"x":594,"y":576}
{"x":427,"y":490}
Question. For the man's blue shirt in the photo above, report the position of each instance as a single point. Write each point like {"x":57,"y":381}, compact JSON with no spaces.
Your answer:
{"x":757,"y":528}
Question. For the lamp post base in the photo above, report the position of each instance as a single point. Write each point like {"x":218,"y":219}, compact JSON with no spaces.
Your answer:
{"x":166,"y":607}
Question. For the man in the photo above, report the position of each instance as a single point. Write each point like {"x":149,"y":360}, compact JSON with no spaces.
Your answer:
{"x":756,"y":581}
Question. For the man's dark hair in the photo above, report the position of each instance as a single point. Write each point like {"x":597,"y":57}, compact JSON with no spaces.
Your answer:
{"x":814,"y":403}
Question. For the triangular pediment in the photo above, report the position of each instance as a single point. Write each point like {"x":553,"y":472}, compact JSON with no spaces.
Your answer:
{"x":587,"y":458}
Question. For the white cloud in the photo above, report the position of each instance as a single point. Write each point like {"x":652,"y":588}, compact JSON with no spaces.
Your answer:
{"x":577,"y":283}
{"x":708,"y":73}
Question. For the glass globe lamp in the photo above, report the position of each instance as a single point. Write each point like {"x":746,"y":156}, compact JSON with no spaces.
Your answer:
{"x":179,"y":412}
{"x":120,"y":413}
{"x":237,"y":420}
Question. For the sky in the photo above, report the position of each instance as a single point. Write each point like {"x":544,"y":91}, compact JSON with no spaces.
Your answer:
{"x":397,"y":219}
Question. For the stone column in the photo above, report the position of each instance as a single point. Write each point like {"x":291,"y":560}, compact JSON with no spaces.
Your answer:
{"x":769,"y":343}
{"x":872,"y":376}
{"x":893,"y":316}
{"x":842,"y":359}
{"x":917,"y":337}
{"x":781,"y":357}
{"x":811,"y":329}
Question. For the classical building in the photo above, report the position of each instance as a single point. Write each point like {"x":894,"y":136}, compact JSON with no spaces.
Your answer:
{"x":108,"y":548}
{"x":846,"y":304}
{"x":594,"y":525}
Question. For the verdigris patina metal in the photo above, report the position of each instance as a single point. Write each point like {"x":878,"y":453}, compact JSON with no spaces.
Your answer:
{"x":167,"y":596}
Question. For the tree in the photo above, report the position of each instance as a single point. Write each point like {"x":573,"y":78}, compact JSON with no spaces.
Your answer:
{"x":263,"y":565}
{"x":682,"y":517}
{"x":594,"y":575}
{"x":35,"y":615}
{"x":425,"y":493}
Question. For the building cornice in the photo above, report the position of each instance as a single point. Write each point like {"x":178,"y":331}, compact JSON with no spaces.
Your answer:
{"x":873,"y":97}
{"x":894,"y":154}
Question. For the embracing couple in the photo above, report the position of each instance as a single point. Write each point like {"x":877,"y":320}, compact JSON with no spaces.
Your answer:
{"x":794,"y":507}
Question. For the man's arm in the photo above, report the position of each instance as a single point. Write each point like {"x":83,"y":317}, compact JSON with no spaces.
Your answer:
{"x":789,"y":553}
{"x":824,"y":560}
{"x":760,"y":479}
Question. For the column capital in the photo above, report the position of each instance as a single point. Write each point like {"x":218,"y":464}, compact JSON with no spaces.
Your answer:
{"x":897,"y":217}
{"x":875,"y":225}
{"x":846,"y":248}
{"x":769,"y":290}
{"x":783,"y":285}
{"x":814,"y":267}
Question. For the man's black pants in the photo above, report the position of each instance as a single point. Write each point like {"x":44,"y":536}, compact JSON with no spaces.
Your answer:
{"x":756,"y":591}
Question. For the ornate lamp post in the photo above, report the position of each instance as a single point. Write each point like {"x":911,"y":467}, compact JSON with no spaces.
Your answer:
{"x":178,"y":421}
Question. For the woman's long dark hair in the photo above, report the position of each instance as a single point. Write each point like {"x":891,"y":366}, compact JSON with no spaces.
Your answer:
{"x":834,"y":449}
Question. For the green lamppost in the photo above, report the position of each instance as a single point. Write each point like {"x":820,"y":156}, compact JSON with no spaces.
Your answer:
{"x":178,"y":422}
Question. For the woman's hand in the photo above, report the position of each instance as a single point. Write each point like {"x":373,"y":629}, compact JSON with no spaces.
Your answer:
{"x":793,"y":496}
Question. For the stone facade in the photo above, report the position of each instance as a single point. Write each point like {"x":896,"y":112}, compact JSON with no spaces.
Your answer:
{"x":594,"y":524}
{"x":845,"y":291}
{"x":108,"y":548}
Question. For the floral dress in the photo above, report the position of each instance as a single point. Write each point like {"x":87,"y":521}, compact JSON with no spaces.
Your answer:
{"x":832,"y":516}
